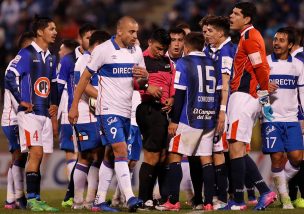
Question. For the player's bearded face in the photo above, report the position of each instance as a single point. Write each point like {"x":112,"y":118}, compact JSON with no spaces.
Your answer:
{"x":49,"y":33}
{"x":129,"y":34}
{"x":280,"y":44}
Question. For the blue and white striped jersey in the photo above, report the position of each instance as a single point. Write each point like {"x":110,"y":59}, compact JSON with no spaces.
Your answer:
{"x":114,"y":67}
{"x":289,"y":76}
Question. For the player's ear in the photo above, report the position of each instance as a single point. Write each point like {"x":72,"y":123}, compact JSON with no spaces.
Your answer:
{"x":39,"y":32}
{"x":290,"y":45}
{"x":119,"y":32}
{"x":149,"y":42}
{"x":247,"y":20}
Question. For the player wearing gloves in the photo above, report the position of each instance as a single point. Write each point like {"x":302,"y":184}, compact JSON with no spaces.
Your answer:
{"x":283,"y":133}
{"x":251,"y":72}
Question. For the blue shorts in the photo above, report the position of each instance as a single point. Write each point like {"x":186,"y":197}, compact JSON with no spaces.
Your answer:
{"x":114,"y":128}
{"x":88,"y":136}
{"x":11,"y":133}
{"x":134,"y":143}
{"x":66,"y":138}
{"x":281,"y":137}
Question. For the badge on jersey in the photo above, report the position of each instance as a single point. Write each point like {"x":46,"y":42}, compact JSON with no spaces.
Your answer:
{"x":42,"y":87}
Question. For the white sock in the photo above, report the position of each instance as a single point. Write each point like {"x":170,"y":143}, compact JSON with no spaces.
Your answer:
{"x":105,"y":178}
{"x":70,"y":165}
{"x":80,"y":179}
{"x":18,"y":176}
{"x":123,"y":177}
{"x":279,"y":179}
{"x":92,"y":183}
{"x":290,"y":171}
{"x":10,"y":192}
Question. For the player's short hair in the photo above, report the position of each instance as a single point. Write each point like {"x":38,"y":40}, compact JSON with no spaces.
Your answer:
{"x":86,"y":28}
{"x":23,"y":37}
{"x":220,"y":22}
{"x":291,"y":36}
{"x":99,"y":36}
{"x":195,"y":40}
{"x":248,"y":9}
{"x":162,"y":36}
{"x":205,"y":19}
{"x":40,"y":23}
{"x":70,"y":43}
{"x":298,"y":35}
{"x":177,"y":30}
{"x":183,"y":25}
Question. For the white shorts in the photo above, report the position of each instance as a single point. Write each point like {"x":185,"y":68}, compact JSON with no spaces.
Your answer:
{"x":192,"y":142}
{"x":243,"y":110}
{"x":35,"y":130}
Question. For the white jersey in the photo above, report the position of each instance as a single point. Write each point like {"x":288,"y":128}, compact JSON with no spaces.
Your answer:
{"x":114,"y":66}
{"x":289,"y":76}
{"x":10,"y":107}
{"x":85,"y":116}
{"x":136,"y":100}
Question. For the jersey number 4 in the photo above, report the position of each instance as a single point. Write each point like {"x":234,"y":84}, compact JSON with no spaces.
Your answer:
{"x":210,"y":88}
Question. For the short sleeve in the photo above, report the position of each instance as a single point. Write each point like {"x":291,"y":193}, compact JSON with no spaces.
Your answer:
{"x":21,"y":63}
{"x":97,"y":58}
{"x":180,"y":80}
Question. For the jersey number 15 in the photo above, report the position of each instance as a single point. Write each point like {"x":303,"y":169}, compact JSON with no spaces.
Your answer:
{"x":210,"y":88}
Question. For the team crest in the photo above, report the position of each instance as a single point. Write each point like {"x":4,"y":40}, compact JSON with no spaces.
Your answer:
{"x":42,"y":87}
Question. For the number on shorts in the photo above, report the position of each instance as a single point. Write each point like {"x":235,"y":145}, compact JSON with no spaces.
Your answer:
{"x":113,"y":131}
{"x":270,"y":142}
{"x":130,"y":148}
{"x":35,"y":136}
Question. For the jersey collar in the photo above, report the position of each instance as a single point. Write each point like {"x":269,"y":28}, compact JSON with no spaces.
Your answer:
{"x":300,"y":49}
{"x":39,"y":50}
{"x":275,"y":59}
{"x":220,"y":47}
{"x":116,"y":46}
{"x":243,"y":31}
{"x":77,"y":52}
{"x":196,"y":53}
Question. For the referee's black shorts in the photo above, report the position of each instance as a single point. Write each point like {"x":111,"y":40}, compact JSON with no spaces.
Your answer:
{"x":153,"y":125}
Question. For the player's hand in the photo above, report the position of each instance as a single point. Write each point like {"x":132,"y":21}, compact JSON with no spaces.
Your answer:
{"x":220,"y":123}
{"x":140,"y":72}
{"x":155,"y":91}
{"x":272,"y":87}
{"x":172,"y":128}
{"x":266,"y":107}
{"x":73,"y":115}
{"x":168,"y":105}
{"x":53,"y":110}
{"x":28,"y":106}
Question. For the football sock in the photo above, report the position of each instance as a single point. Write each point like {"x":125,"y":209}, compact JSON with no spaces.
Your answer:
{"x":70,"y":165}
{"x":209,"y":180}
{"x":123,"y":176}
{"x":10,"y":191}
{"x":254,"y":174}
{"x":146,"y":181}
{"x":290,"y":170}
{"x":222,"y":183}
{"x":238,"y":171}
{"x":172,"y":181}
{"x":32,"y":184}
{"x":92,"y":181}
{"x":279,"y":179}
{"x":80,"y":178}
{"x":196,"y":172}
{"x":18,"y":176}
{"x":106,"y":172}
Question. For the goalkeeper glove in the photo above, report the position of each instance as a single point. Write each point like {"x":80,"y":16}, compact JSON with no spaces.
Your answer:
{"x":266,"y":107}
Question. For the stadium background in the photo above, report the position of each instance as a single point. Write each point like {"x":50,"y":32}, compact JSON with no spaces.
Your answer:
{"x":16,"y":15}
